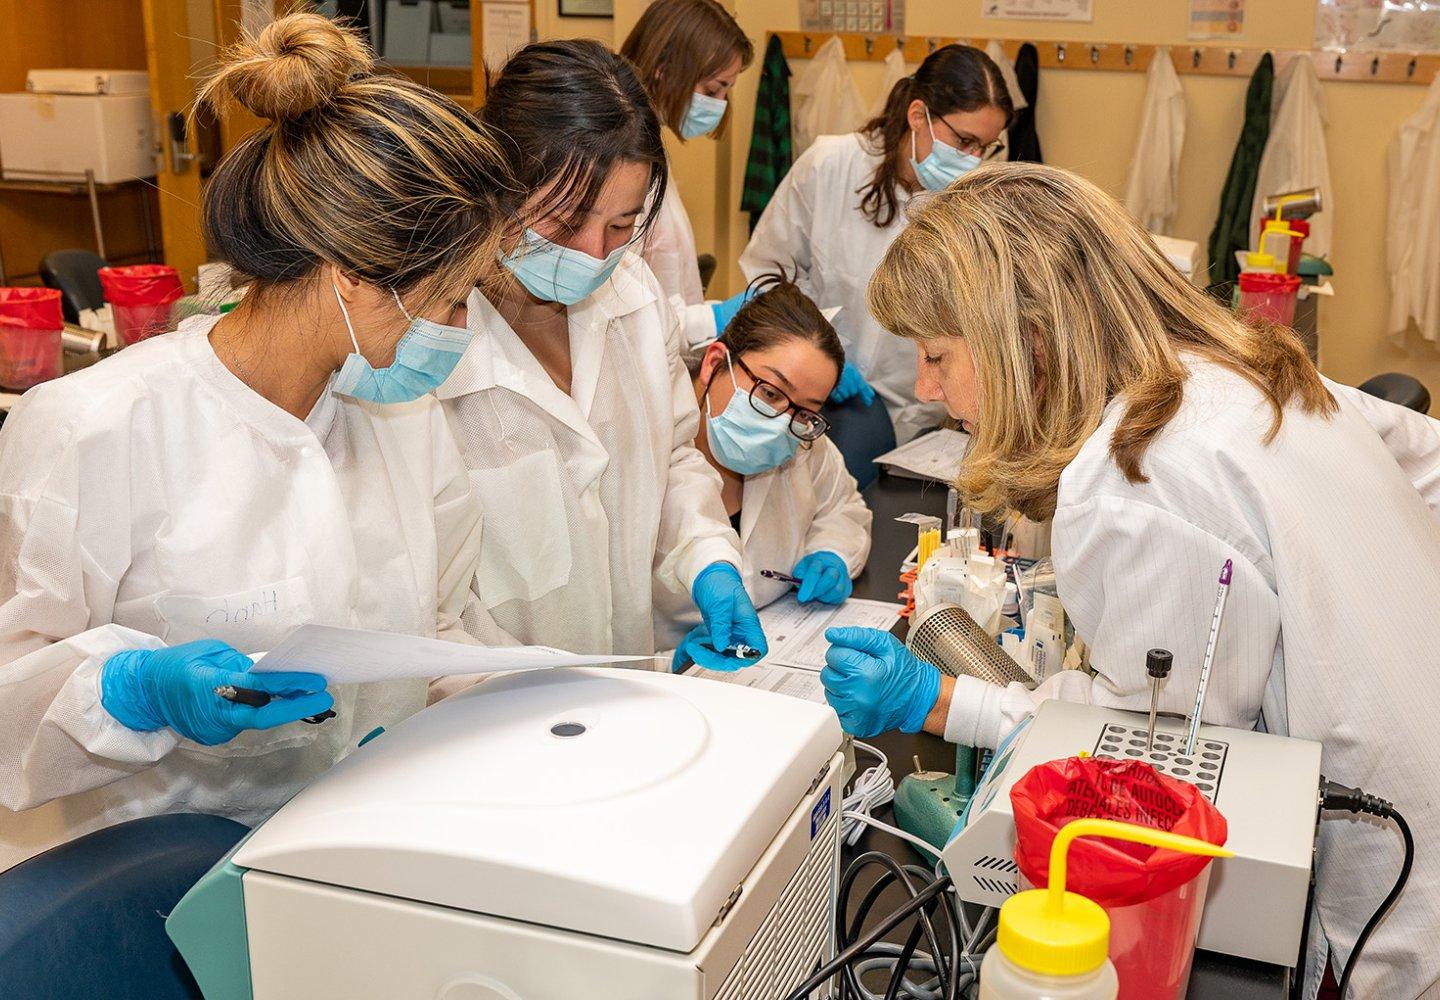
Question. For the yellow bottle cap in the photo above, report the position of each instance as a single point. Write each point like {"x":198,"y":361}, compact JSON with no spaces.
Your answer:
{"x":1052,"y":932}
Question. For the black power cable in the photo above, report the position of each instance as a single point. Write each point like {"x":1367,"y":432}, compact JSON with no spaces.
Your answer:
{"x":1340,"y":798}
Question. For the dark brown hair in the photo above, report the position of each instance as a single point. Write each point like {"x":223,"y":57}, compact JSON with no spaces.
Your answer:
{"x":387,"y":180}
{"x":952,"y":78}
{"x":678,"y":43}
{"x":780,"y":311}
{"x":565,"y":114}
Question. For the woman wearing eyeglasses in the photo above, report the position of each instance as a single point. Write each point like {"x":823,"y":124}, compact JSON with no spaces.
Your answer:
{"x":571,"y":404}
{"x":843,"y":202}
{"x":786,"y":490}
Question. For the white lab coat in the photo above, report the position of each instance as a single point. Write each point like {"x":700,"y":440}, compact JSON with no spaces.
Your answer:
{"x":1412,"y":232}
{"x":823,"y":98}
{"x":154,"y":499}
{"x":1152,"y":188}
{"x":997,"y":53}
{"x":895,"y":71}
{"x":669,"y":249}
{"x":808,"y":504}
{"x":813,"y":228}
{"x":1330,"y":631}
{"x":596,"y":501}
{"x":1295,"y":155}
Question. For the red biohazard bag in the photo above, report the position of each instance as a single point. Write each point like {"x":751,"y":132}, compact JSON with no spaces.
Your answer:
{"x":1154,"y":897}
{"x":140,"y":298}
{"x":30,"y":322}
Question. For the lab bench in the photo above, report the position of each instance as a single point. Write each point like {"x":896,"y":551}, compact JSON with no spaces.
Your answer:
{"x":1213,"y":976}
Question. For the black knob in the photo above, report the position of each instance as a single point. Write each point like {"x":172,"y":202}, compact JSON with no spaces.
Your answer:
{"x":1157,"y":663}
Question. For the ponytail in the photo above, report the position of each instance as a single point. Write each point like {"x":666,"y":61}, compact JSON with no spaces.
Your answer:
{"x":952,"y":78}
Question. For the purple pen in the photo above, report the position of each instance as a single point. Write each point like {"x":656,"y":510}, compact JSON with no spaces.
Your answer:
{"x":1210,"y":645}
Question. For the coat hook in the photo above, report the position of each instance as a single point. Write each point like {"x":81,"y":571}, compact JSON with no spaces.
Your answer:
{"x":869,"y":46}
{"x":1230,"y":58}
{"x":1410,"y":69}
{"x":1129,"y":54}
{"x":1060,"y":52}
{"x":1094,"y":55}
{"x":807,"y":45}
{"x":1339,"y":63}
{"x":1195,"y":58}
{"x":931,"y":43}
{"x":1374,"y":65}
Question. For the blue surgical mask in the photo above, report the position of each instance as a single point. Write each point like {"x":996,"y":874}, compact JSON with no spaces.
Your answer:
{"x":553,"y":273}
{"x":944,"y":165}
{"x":746,"y":441}
{"x":424,"y":359}
{"x":702,"y":116}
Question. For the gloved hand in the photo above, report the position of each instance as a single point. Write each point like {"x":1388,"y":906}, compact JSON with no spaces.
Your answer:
{"x":148,"y":689}
{"x":729,"y":619}
{"x":875,"y":684}
{"x":852,"y":384}
{"x":725,"y":311}
{"x":823,"y":577}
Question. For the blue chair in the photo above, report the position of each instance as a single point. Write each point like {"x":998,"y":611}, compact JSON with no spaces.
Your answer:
{"x":87,"y":919}
{"x":862,"y":433}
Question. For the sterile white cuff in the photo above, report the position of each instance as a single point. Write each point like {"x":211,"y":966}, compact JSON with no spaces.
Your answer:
{"x":975,"y":717}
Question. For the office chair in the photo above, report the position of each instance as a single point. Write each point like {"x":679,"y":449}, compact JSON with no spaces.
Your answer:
{"x":1399,"y":389}
{"x":87,"y":919}
{"x":74,"y":273}
{"x":862,"y":433}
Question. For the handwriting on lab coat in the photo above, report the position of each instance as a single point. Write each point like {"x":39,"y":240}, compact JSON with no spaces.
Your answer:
{"x":266,"y":602}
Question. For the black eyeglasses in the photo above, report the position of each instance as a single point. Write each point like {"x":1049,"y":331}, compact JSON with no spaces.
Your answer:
{"x":969,"y":144}
{"x":769,"y":400}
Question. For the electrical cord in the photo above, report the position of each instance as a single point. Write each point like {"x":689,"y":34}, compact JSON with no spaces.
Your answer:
{"x":873,"y":787}
{"x":1344,"y":799}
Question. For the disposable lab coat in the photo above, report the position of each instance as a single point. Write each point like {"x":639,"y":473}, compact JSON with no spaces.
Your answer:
{"x":808,"y":504}
{"x":1152,"y":187}
{"x":595,"y":501}
{"x":824,"y":100}
{"x":1329,"y":633}
{"x":154,"y":499}
{"x":1412,"y":230}
{"x":1295,"y":155}
{"x":669,"y":249}
{"x":813,"y":228}
{"x":996,"y":52}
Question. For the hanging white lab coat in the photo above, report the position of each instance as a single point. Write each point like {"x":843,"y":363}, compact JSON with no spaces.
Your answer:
{"x":808,"y":504}
{"x":1412,"y":232}
{"x":669,"y":249}
{"x":1295,"y":155}
{"x":595,"y":501}
{"x":813,"y":228}
{"x":823,"y":98}
{"x":154,"y":499}
{"x":997,"y":54}
{"x":1330,"y":632}
{"x":1152,"y":187}
{"x":895,"y":71}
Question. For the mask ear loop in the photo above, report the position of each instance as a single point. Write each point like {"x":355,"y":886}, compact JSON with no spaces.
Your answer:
{"x":729,"y":367}
{"x":346,"y":313}
{"x":408,"y":317}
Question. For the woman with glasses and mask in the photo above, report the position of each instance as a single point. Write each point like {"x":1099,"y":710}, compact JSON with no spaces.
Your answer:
{"x":571,"y":404}
{"x":844,"y":201}
{"x":786,"y":491}
{"x":187,"y":503}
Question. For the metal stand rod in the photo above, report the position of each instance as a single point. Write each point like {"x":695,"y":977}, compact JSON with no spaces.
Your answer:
{"x":95,"y":213}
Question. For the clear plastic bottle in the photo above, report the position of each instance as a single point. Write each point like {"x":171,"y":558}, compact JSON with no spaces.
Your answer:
{"x":1002,"y":979}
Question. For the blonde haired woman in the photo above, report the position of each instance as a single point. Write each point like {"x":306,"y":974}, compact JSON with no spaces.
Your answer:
{"x":196,"y":497}
{"x":1165,"y":437}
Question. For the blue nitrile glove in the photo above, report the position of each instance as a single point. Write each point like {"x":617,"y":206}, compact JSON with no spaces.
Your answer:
{"x":852,"y":384}
{"x":823,"y":577}
{"x":725,"y":311}
{"x":875,"y":684}
{"x":728,"y":620}
{"x":148,"y":689}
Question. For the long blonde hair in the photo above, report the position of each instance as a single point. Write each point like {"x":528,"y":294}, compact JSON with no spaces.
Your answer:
{"x":1065,"y":303}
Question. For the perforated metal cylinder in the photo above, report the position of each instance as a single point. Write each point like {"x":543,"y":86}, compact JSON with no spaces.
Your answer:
{"x":948,"y":637}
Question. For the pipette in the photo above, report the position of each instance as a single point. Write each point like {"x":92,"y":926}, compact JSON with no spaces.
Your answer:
{"x":1157,"y":665}
{"x":1209,"y":661}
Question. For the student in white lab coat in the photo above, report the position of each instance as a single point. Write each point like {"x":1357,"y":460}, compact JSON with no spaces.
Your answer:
{"x":844,"y":201}
{"x":1165,"y":437}
{"x":196,"y":497}
{"x":787,"y":492}
{"x":572,"y":406}
{"x":688,"y":54}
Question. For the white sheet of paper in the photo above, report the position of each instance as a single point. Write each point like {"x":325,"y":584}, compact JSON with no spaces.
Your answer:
{"x":795,"y":633}
{"x":354,"y":656}
{"x":936,"y":455}
{"x":803,"y":684}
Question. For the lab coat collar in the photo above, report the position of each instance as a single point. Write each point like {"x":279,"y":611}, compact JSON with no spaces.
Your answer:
{"x":758,"y":489}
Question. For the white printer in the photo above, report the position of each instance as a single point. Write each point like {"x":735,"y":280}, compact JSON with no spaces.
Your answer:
{"x":555,"y":834}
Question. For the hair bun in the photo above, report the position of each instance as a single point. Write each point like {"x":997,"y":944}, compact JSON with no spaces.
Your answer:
{"x":298,"y":63}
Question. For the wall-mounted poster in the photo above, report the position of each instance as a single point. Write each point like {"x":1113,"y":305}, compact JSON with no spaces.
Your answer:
{"x":587,"y":8}
{"x":1216,"y":19}
{"x":1406,"y":25}
{"x":1039,"y":10}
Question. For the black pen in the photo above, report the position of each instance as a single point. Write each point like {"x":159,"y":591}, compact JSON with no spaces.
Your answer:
{"x":259,"y":699}
{"x":775,"y":574}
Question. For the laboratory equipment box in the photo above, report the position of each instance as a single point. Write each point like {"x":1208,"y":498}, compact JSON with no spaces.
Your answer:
{"x":60,"y":136}
{"x":594,"y":833}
